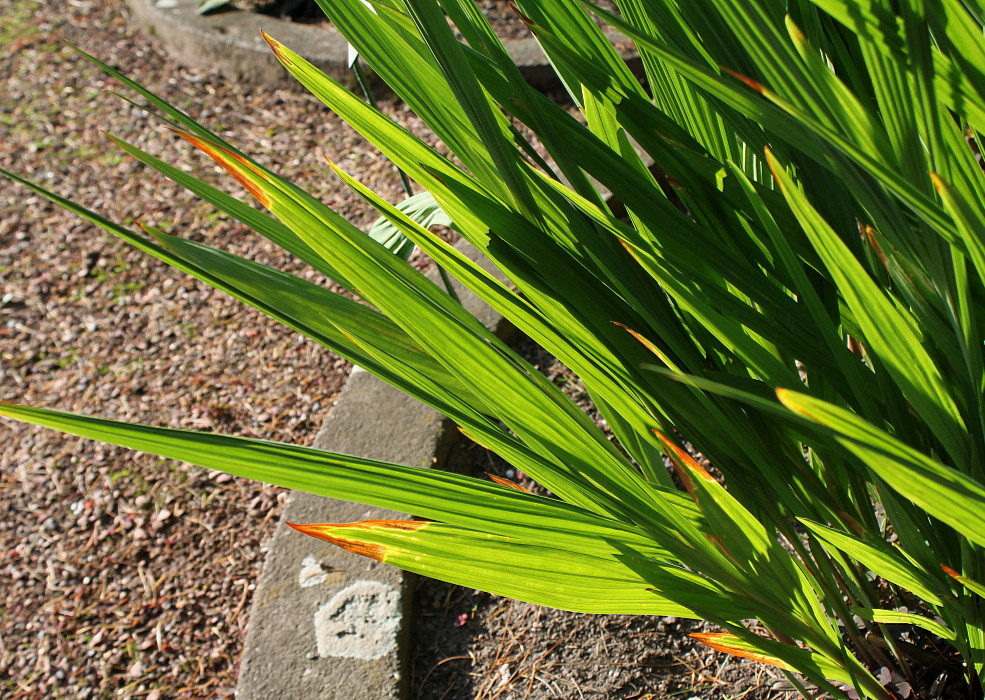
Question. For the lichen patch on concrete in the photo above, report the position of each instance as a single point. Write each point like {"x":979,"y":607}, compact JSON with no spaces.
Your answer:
{"x":360,"y":622}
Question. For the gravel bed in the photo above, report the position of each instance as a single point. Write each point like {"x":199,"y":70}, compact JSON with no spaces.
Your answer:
{"x":124,"y":575}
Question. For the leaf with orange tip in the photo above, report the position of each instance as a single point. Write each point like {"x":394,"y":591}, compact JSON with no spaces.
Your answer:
{"x":530,"y":571}
{"x":233,"y":163}
{"x":743,"y":540}
{"x":972,"y":585}
{"x":779,"y":655}
{"x":324,"y":532}
{"x":277,"y":48}
{"x":730,"y":524}
{"x":730,"y":644}
{"x":507,"y":483}
{"x":748,"y":81}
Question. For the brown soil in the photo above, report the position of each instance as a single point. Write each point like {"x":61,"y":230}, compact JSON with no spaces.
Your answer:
{"x":470,"y":645}
{"x":123,"y":575}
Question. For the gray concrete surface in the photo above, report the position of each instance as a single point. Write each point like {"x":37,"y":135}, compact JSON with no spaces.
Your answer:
{"x":230,"y":42}
{"x":327,"y":624}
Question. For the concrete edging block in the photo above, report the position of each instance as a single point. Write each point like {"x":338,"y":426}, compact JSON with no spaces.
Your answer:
{"x":327,"y":624}
{"x":231,"y":43}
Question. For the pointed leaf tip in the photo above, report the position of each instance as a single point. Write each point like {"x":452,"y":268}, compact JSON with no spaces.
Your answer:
{"x":748,"y":81}
{"x":685,"y":463}
{"x":369,"y":550}
{"x":372,"y":550}
{"x":523,"y":18}
{"x":276,"y":47}
{"x":731,"y":644}
{"x":508,"y":483}
{"x":224,"y":157}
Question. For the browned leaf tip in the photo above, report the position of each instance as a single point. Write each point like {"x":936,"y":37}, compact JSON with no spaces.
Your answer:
{"x":523,"y":18}
{"x":719,"y":641}
{"x":717,"y":541}
{"x":276,"y":47}
{"x":372,"y":550}
{"x":509,"y":484}
{"x":951,"y":572}
{"x":748,"y":81}
{"x":363,"y":549}
{"x":222,"y":156}
{"x":684,"y":462}
{"x":870,"y":235}
{"x":156,"y":235}
{"x":644,"y":341}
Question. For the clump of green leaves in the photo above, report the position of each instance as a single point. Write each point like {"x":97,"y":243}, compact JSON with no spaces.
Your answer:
{"x":794,"y":290}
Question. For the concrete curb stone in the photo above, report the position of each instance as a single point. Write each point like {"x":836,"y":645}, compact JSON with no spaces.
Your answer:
{"x":230,"y":42}
{"x":326,"y":624}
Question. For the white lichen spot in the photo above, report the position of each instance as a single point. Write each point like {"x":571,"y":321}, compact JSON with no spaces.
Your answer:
{"x":311,"y":573}
{"x":359,"y":622}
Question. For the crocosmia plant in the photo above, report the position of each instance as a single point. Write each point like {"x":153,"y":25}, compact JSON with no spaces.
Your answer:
{"x":791,"y":286}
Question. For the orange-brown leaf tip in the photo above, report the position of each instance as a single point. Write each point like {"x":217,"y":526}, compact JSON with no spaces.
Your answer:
{"x":748,"y":81}
{"x":523,"y":18}
{"x":336,"y":168}
{"x":642,"y":340}
{"x":152,"y":232}
{"x":224,"y":158}
{"x":951,"y":572}
{"x":794,"y":31}
{"x":938,"y":183}
{"x":683,"y":460}
{"x":276,"y":47}
{"x":507,"y":483}
{"x":870,"y":234}
{"x":725,"y":642}
{"x":774,"y":165}
{"x":371,"y":550}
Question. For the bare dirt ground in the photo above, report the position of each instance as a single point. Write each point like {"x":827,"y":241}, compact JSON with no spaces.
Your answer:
{"x":124,"y":575}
